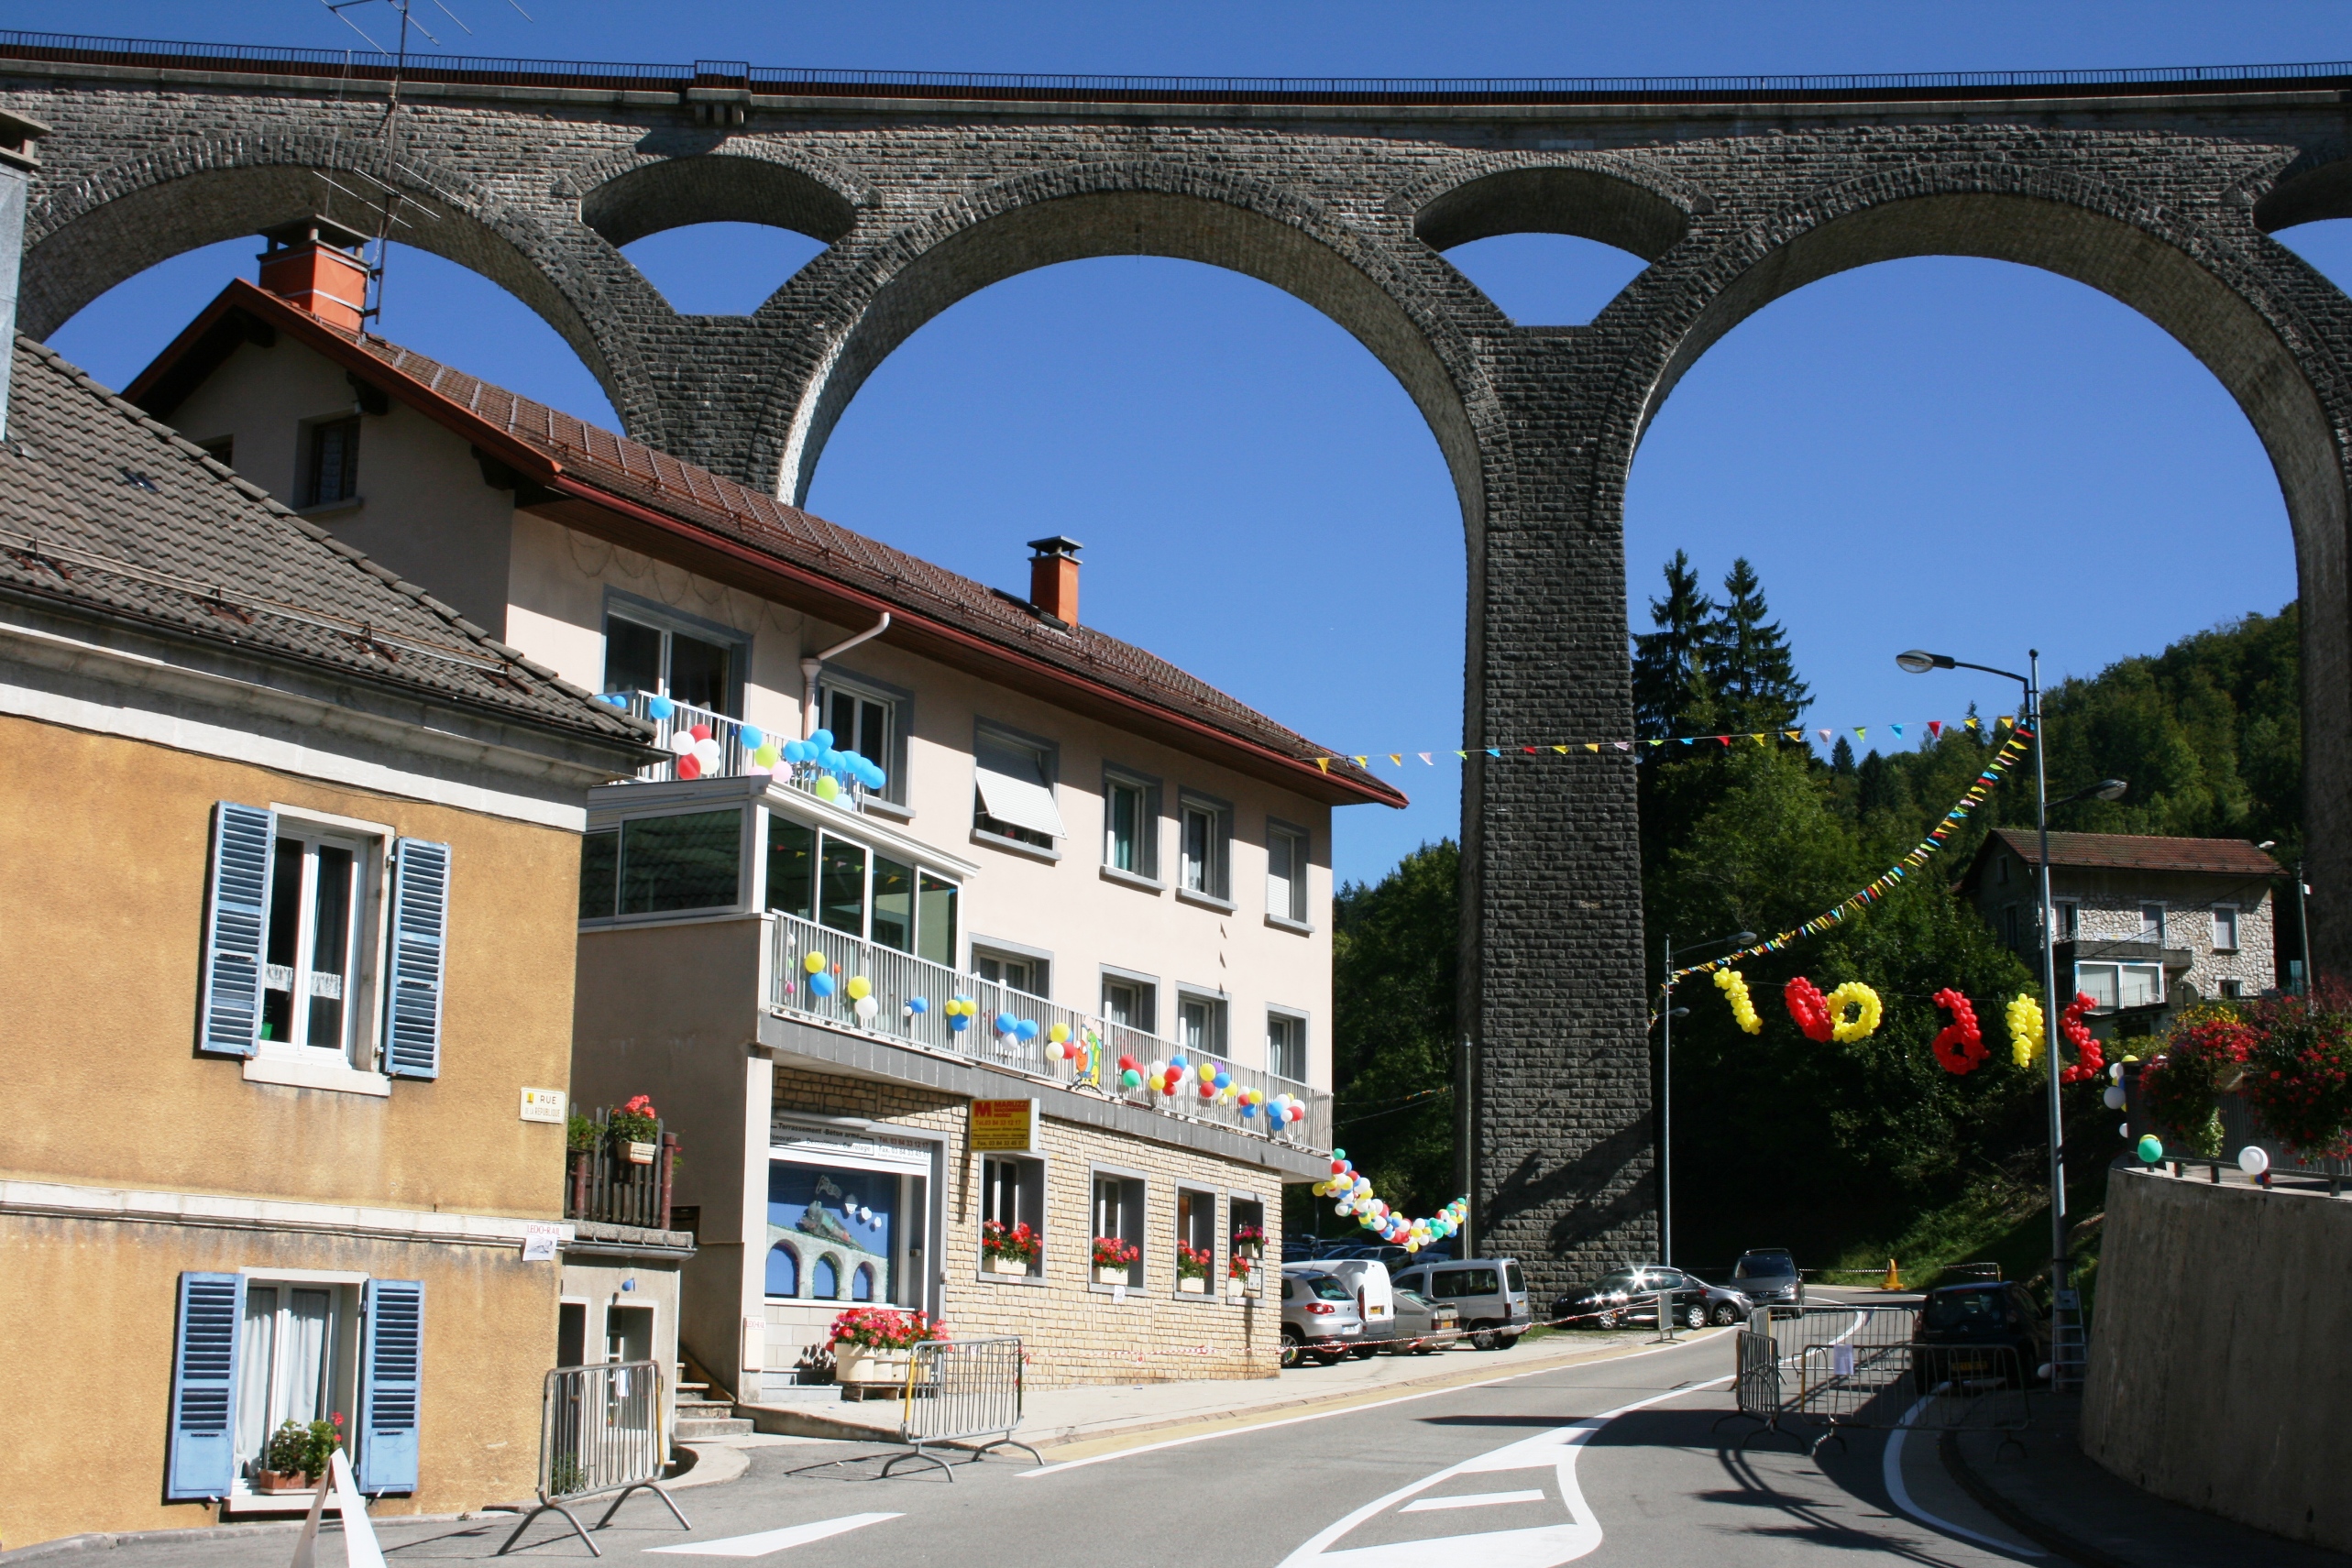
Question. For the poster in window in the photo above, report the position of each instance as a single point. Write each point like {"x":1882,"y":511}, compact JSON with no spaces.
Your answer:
{"x":834,"y":1228}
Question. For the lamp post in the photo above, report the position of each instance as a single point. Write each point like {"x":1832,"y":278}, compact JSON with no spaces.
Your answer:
{"x":1668,"y":1014}
{"x":1918,"y":662}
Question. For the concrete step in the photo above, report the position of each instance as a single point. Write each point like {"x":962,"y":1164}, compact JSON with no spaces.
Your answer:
{"x":696,"y":1428}
{"x":703,"y":1409}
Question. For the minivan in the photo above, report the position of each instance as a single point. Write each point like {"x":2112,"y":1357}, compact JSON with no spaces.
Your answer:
{"x":1490,"y":1292}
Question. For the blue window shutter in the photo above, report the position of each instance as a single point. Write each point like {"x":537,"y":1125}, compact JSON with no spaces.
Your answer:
{"x":237,"y":921}
{"x":391,"y":1379}
{"x":420,"y":924}
{"x":203,"y":1386}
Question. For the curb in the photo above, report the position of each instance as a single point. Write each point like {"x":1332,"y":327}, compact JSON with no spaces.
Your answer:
{"x":107,"y":1541}
{"x":1981,"y":1493}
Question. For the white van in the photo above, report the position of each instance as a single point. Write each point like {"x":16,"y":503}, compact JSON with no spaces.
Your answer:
{"x":1376,"y":1299}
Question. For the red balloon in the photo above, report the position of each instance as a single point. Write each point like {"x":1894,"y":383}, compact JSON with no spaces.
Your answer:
{"x":700,"y":732}
{"x":689,"y":768}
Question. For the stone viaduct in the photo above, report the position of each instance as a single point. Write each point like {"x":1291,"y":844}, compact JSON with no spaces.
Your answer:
{"x":2157,"y":188}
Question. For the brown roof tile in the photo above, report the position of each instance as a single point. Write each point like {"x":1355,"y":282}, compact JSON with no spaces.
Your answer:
{"x":2139,"y":852}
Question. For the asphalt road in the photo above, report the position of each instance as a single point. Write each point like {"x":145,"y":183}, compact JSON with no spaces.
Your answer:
{"x":1610,"y":1462}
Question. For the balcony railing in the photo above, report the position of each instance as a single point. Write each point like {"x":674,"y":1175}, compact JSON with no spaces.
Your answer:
{"x":910,"y":995}
{"x":672,"y":719}
{"x":603,"y":1184}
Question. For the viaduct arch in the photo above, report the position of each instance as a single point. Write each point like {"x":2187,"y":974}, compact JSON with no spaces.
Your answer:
{"x":2157,"y":187}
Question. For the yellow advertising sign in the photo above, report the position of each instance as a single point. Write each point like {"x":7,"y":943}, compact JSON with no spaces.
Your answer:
{"x":1005,"y":1126}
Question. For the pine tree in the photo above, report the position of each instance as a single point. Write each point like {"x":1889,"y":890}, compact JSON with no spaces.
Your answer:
{"x":1841,"y":757}
{"x":1748,"y":660}
{"x":1669,"y":664}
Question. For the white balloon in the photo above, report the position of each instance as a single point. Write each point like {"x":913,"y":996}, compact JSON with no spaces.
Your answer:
{"x":2252,"y":1160}
{"x":707,"y":754}
{"x":2114,"y":1098}
{"x":2123,"y":1129}
{"x":866,"y":1006}
{"x":681,"y":741}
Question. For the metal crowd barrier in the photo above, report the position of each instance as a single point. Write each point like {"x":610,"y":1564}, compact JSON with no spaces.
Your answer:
{"x":600,"y":1430}
{"x":958,"y":1390}
{"x":1858,"y":1366}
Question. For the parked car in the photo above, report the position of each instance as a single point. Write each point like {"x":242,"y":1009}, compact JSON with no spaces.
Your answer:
{"x":1959,"y":1322}
{"x":1631,"y":1295}
{"x":1423,"y":1326}
{"x":1367,"y":1280}
{"x":1767,"y":1276}
{"x":1319,"y":1317}
{"x":1490,"y":1294}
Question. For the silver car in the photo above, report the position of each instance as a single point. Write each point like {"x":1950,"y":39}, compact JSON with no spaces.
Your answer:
{"x":1422,"y":1326}
{"x":1319,"y":1318}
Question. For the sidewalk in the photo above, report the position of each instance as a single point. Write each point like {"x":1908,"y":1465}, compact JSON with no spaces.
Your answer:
{"x":1056,"y":1418}
{"x":2059,"y":1496}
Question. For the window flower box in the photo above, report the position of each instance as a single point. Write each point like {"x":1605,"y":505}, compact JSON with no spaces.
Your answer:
{"x":1192,"y":1266}
{"x":1114,"y":1259}
{"x":857,"y":1367}
{"x":1009,"y":1249}
{"x":278,"y":1484}
{"x":1014,"y":1267}
{"x":640,"y":1154}
{"x":875,"y":1346}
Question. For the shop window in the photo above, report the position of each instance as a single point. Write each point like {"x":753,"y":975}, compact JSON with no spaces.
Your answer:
{"x":836,"y":1223}
{"x":1012,"y":1216}
{"x":862,"y":1283}
{"x":1195,"y":1259}
{"x":1119,"y":1220}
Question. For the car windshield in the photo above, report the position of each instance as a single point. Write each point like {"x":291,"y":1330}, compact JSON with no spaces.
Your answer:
{"x":1329,"y":1288}
{"x":1765,"y":1266}
{"x":1963,"y":1308}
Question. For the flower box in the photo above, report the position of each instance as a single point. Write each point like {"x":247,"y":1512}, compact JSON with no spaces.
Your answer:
{"x":1193,"y":1286}
{"x":275,"y":1484}
{"x":640,"y":1154}
{"x":1110,"y":1274}
{"x":1018,"y":1268}
{"x":855,"y":1364}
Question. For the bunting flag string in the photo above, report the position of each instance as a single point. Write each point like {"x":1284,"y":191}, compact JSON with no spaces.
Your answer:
{"x":1638,"y":749}
{"x":1986,"y":783}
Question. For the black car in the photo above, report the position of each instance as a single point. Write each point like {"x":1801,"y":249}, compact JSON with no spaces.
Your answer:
{"x":1630,"y":1295}
{"x":1767,"y":1276}
{"x":1960,"y":1324}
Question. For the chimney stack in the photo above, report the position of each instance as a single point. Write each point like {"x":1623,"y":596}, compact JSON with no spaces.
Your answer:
{"x":19,"y":158}
{"x":1053,"y":577}
{"x":315,"y":262}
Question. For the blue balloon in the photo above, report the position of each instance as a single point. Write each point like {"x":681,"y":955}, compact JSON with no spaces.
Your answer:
{"x":800,"y":751}
{"x":880,"y":780}
{"x":1248,"y":1110}
{"x":661,"y":707}
{"x":959,"y":1022}
{"x":1177,"y":1061}
{"x":917,"y":1004}
{"x":821,"y":739}
{"x":1007,"y":1023}
{"x":618,"y":699}
{"x":1027,"y":1028}
{"x":821,"y":985}
{"x":829,"y":760}
{"x":1223,"y":1079}
{"x":753,"y":737}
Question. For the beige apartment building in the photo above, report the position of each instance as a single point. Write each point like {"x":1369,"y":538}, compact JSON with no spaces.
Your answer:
{"x":1056,"y":827}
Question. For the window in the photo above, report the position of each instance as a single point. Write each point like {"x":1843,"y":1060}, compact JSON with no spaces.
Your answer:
{"x":1200,"y":1023}
{"x":1013,"y":789}
{"x":1286,"y":1045}
{"x":1131,"y":1002}
{"x":1196,"y":1242}
{"x":333,"y":463}
{"x":1011,"y":1195}
{"x":1119,"y":1217}
{"x":816,"y":876}
{"x":934,"y":919}
{"x":2233,"y":988}
{"x":317,"y":908}
{"x":1245,"y":1244}
{"x":1286,"y":873}
{"x":860,"y":722}
{"x":841,"y":885}
{"x":656,"y":865}
{"x":2000,"y":870}
{"x":894,"y":904}
{"x":2069,"y":918}
{"x":1021,"y":971}
{"x":288,"y":1366}
{"x":2116,"y":985}
{"x":831,"y":1225}
{"x":791,"y":867}
{"x":1131,"y":825}
{"x":2152,"y":923}
{"x":2224,"y":927}
{"x":644,"y":650}
{"x":1207,"y":846}
{"x":2009,"y":925}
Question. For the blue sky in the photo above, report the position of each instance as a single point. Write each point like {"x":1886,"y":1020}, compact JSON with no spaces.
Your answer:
{"x":1954,"y":452}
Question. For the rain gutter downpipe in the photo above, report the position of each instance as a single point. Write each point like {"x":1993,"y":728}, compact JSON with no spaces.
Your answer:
{"x":813,"y":666}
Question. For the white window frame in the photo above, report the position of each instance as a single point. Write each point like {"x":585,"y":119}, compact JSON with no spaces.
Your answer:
{"x":342,"y":1288}
{"x":1147,"y":989}
{"x":1297,"y":1022}
{"x":2112,"y":972}
{"x":990,"y":829}
{"x":1219,"y":1012}
{"x":2068,"y":911}
{"x":1030,"y":1184}
{"x":351,"y":1061}
{"x":1205,"y":878}
{"x":1145,"y":872}
{"x":2234,"y":915}
{"x":671,"y":624}
{"x":1293,"y":916}
{"x":993,"y":949}
{"x":898,"y":706}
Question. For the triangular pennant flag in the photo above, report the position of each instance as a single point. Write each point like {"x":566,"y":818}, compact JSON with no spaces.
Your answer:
{"x":1494,"y":751}
{"x":1425,"y":757}
{"x":1796,"y":734}
{"x":1688,"y":739}
{"x":1530,"y":750}
{"x":1936,"y":728}
{"x":1590,"y":746}
{"x":1361,"y":761}
{"x":1397,"y":757}
{"x":1825,"y":736}
{"x":1563,"y":751}
{"x":1464,"y":755}
{"x":1862,"y":731}
{"x":1622,"y":745}
{"x":1655,"y":744}
{"x":1726,"y":739}
{"x":1324,"y":762}
{"x":1757,"y":738}
{"x":1897,"y":728}
{"x":1971,"y":724}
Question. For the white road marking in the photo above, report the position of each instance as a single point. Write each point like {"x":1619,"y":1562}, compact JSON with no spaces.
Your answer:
{"x":1473,"y":1500}
{"x":1890,"y":1472}
{"x":1356,"y":1409}
{"x":769,"y":1540}
{"x":1546,"y":1546}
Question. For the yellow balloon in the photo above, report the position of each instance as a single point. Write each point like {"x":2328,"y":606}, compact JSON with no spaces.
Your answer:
{"x":859,"y":987}
{"x":813,"y":963}
{"x":1208,"y":1072}
{"x":1058,"y":1034}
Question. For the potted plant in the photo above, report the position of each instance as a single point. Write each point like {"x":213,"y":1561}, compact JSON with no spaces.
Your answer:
{"x":1241,"y":1262}
{"x":875,"y":1344}
{"x":296,"y":1457}
{"x":1192,"y":1266}
{"x":2298,"y":1079}
{"x":1112,"y":1259}
{"x":634,"y":1129}
{"x":1009,"y":1249}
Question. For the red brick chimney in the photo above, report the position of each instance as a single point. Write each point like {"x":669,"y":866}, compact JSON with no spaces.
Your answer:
{"x":314,"y":263}
{"x":1053,"y":577}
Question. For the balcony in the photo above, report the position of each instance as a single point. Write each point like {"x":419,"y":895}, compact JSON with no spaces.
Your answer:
{"x":909,"y":997}
{"x":602,"y":1184}
{"x":706,"y":744}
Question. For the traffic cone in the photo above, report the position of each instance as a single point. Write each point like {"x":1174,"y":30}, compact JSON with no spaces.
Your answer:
{"x":1893,"y":1281}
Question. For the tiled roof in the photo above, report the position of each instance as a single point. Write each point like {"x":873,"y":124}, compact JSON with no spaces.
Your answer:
{"x":2139,"y":852}
{"x":103,"y":508}
{"x":633,"y":473}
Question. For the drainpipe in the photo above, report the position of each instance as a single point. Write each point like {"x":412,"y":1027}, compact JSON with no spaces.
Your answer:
{"x":812,"y":667}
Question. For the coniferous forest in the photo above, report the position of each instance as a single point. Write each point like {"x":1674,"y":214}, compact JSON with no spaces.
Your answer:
{"x":1838,"y":1150}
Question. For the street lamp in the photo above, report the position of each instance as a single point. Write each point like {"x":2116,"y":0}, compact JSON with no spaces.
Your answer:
{"x":1918,"y":662}
{"x":1668,"y":1014}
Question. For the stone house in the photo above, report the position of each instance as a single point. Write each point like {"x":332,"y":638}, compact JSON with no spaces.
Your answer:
{"x":1045,"y":827}
{"x":2144,"y":924}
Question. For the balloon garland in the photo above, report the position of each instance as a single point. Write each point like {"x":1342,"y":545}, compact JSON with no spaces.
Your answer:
{"x":2025,"y":1029}
{"x":1960,"y":1045}
{"x":1867,"y":1013}
{"x":1809,"y":1008}
{"x":2088,"y":1057}
{"x":1734,"y":987}
{"x":1354,"y":1191}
